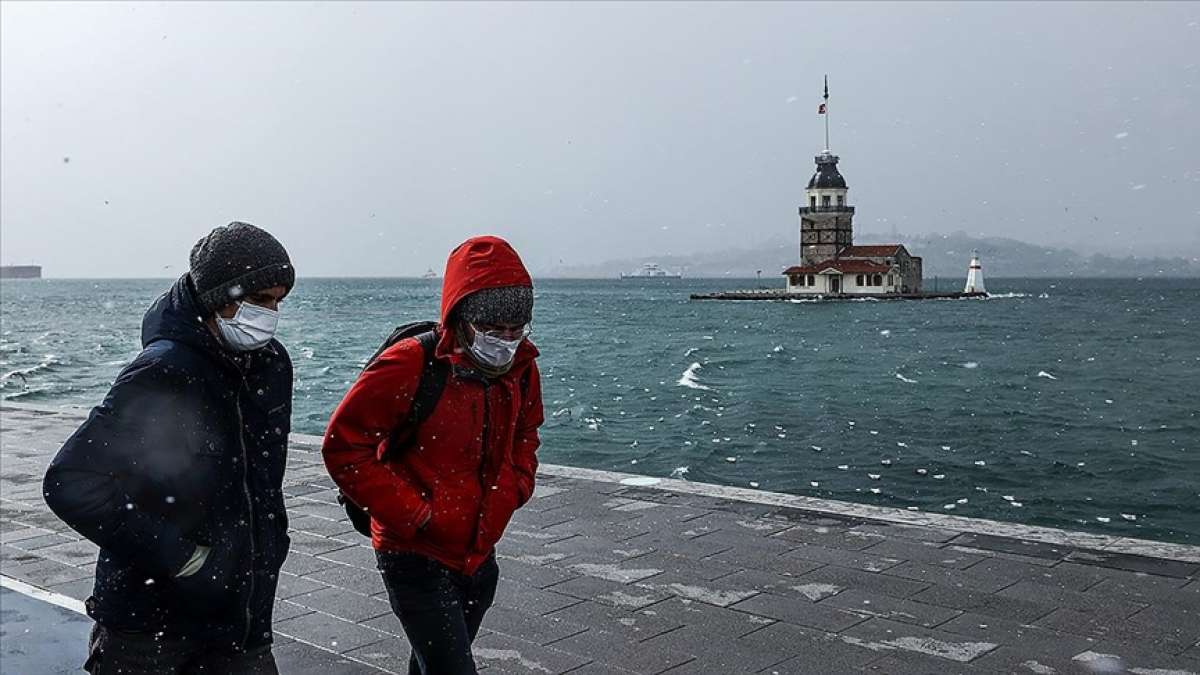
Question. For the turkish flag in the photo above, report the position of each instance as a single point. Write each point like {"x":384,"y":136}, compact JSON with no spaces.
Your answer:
{"x":821,"y":109}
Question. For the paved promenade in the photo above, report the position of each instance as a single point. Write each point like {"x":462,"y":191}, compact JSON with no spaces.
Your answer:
{"x":603,"y":575}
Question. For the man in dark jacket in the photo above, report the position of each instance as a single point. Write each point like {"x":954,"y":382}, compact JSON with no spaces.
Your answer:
{"x":177,"y":474}
{"x":439,"y":506}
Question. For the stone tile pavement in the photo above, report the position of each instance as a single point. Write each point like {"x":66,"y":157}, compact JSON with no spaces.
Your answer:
{"x":602,"y":575}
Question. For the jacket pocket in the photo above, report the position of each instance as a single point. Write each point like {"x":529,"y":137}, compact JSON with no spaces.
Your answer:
{"x":454,"y":514}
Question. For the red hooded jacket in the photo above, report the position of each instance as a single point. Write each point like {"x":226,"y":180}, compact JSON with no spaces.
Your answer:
{"x":473,"y":462}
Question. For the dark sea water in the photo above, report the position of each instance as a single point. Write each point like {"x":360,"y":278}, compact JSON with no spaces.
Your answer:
{"x":1070,"y":403}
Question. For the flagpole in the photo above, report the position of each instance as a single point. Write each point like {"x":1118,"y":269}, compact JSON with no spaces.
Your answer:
{"x":826,"y":113}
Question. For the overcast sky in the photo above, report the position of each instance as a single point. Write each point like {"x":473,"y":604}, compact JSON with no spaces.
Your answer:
{"x":370,"y":138}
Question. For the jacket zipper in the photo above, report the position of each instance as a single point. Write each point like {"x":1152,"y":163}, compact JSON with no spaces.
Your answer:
{"x":483,"y":457}
{"x":250,"y":512}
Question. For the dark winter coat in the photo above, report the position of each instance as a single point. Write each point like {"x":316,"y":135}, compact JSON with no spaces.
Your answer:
{"x":473,"y":462}
{"x":188,"y":448}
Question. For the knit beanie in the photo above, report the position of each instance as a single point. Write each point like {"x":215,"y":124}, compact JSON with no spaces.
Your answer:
{"x":507,"y":305}
{"x":236,"y":260}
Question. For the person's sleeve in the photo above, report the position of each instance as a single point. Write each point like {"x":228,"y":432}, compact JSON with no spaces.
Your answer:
{"x":527,"y":439}
{"x":377,"y":402}
{"x":91,"y":482}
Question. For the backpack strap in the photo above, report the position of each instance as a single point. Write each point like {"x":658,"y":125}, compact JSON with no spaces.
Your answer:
{"x":429,"y":389}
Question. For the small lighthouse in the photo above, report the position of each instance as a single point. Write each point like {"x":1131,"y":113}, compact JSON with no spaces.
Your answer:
{"x":975,"y":275}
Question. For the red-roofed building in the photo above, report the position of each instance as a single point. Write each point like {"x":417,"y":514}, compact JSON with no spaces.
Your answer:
{"x":830,"y":262}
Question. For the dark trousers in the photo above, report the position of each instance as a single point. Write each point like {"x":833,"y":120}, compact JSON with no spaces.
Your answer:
{"x":440,"y":609}
{"x":113,"y":652}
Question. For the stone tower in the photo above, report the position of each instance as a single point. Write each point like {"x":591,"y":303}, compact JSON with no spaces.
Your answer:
{"x":826,"y":225}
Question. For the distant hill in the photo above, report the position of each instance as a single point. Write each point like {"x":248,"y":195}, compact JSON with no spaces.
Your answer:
{"x":944,"y":256}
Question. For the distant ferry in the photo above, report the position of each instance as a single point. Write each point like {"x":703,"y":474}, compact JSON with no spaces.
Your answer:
{"x":651,"y":271}
{"x":20,"y":272}
{"x":430,"y":274}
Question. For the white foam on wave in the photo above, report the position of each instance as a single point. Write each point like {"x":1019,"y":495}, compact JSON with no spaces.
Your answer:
{"x":905,"y":379}
{"x":971,"y":365}
{"x":1007,"y":296}
{"x":689,"y":379}
{"x":1048,"y":376}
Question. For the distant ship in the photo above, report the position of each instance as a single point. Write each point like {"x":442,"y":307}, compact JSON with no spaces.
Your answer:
{"x":20,"y":272}
{"x":430,"y":274}
{"x":652,"y":271}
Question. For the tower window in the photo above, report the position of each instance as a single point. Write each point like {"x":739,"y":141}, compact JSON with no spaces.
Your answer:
{"x":858,"y":280}
{"x":841,"y":200}
{"x":825,"y":200}
{"x":812,"y":201}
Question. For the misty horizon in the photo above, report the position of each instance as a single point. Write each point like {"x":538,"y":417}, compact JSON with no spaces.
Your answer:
{"x":370,"y":138}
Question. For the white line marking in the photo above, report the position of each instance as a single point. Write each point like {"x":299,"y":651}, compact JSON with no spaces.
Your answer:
{"x":66,"y":602}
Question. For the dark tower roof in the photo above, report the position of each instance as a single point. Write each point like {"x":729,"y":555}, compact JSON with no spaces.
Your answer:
{"x":827,"y":175}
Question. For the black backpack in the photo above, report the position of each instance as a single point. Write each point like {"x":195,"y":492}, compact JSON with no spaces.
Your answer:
{"x":429,"y":390}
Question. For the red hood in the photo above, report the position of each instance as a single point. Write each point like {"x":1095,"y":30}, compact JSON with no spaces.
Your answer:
{"x":479,"y":263}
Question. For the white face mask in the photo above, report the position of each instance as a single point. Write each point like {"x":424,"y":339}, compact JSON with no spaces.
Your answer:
{"x":252,"y":327}
{"x":493,"y":351}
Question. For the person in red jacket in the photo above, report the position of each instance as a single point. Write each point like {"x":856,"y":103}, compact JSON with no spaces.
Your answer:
{"x":439,"y":506}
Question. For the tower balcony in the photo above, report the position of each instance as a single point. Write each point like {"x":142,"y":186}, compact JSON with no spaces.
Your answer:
{"x":832,"y":208}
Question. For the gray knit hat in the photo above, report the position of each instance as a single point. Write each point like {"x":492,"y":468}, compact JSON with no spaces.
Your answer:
{"x":235,"y":260}
{"x":507,"y":305}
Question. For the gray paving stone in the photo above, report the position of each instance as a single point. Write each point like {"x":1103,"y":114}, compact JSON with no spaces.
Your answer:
{"x":511,"y":654}
{"x":536,"y":575}
{"x":785,"y":584}
{"x":361,"y":556}
{"x":813,"y":650}
{"x":1136,"y":563}
{"x":343,"y":604}
{"x":328,"y":632}
{"x":364,"y":582}
{"x":1091,"y":604}
{"x":845,"y":577}
{"x":302,"y":564}
{"x":920,"y":641}
{"x":611,"y":593}
{"x":1173,"y":631}
{"x":323,"y":526}
{"x":534,"y":628}
{"x":670,"y":563}
{"x":1033,"y":549}
{"x":79,"y":552}
{"x":637,"y":625}
{"x":291,"y":585}
{"x":715,"y":622}
{"x":297,"y":658}
{"x":861,"y":560}
{"x":285,"y":610}
{"x":988,"y":604}
{"x":987,"y":581}
{"x":837,"y":536}
{"x":904,"y":611}
{"x":1066,"y":575}
{"x":313,"y":544}
{"x":1148,"y":588}
{"x":531,"y":600}
{"x":80,"y":589}
{"x":799,"y":613}
{"x":926,"y":552}
{"x":620,"y":651}
{"x":908,"y":663}
{"x":764,"y":554}
{"x":390,"y":655}
{"x":45,"y":573}
{"x":910,"y":532}
{"x":724,"y":656}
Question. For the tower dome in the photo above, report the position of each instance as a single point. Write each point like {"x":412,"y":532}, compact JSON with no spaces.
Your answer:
{"x":827,"y":175}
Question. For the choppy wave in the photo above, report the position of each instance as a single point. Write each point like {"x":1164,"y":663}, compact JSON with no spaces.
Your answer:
{"x":690,"y":380}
